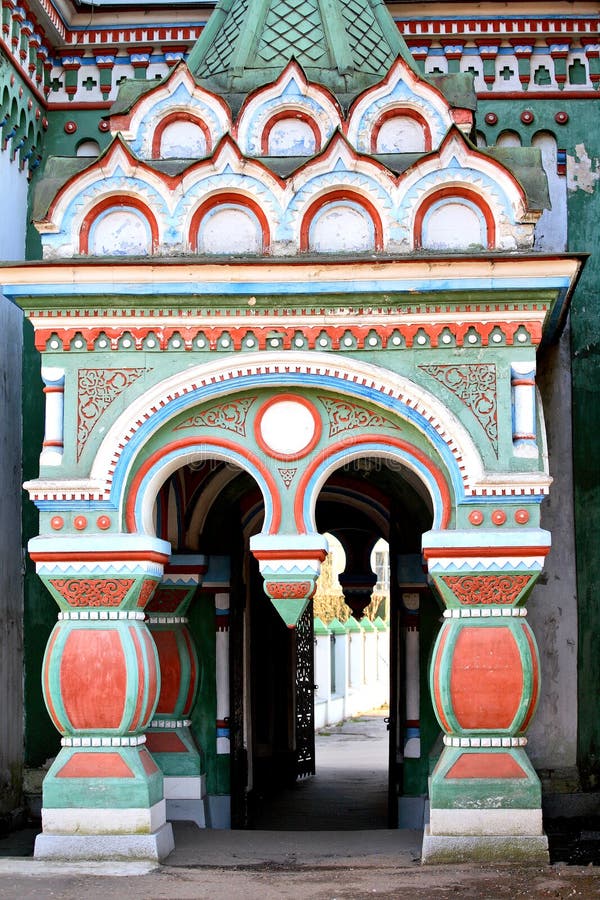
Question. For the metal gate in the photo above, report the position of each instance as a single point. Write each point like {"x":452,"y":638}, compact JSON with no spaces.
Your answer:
{"x":305,"y":698}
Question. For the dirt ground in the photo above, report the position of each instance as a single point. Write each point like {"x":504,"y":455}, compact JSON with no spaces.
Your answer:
{"x":332,"y":882}
{"x":309,"y":862}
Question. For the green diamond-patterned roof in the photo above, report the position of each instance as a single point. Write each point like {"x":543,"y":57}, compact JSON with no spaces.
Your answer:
{"x":219,"y":54}
{"x":344,"y":44}
{"x":298,"y":25}
{"x":370,"y":51}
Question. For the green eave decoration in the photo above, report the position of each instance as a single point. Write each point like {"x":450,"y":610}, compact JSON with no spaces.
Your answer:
{"x":336,"y":627}
{"x":319,"y":627}
{"x":130,"y":90}
{"x":346,"y":46}
{"x":526,"y":165}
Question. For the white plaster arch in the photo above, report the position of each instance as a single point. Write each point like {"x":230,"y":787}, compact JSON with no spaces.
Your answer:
{"x":458,"y":163}
{"x":171,"y":461}
{"x":339,"y":169}
{"x":227,"y":172}
{"x":291,"y":92}
{"x":331,"y":463}
{"x":400,"y":89}
{"x":105,"y":176}
{"x":176,"y":93}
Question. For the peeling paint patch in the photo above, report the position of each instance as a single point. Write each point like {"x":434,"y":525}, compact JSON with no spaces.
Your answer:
{"x":582,"y":172}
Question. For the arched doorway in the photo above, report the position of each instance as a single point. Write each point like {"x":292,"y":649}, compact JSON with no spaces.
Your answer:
{"x":250,"y":691}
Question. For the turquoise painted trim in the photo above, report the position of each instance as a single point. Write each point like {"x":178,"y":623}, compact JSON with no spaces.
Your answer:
{"x":287,"y":288}
{"x":319,"y":628}
{"x":337,"y":627}
{"x":506,"y":501}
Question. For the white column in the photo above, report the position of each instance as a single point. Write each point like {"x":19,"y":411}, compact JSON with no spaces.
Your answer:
{"x":54,"y":389}
{"x":412,"y":738}
{"x":522,"y":380}
{"x":222,"y":673}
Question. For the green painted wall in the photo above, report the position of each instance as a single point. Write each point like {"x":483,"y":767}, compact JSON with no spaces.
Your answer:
{"x":41,"y":738}
{"x":204,"y":715}
{"x":580,"y":138}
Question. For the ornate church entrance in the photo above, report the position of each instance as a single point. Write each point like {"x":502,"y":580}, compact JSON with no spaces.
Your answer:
{"x":288,"y":260}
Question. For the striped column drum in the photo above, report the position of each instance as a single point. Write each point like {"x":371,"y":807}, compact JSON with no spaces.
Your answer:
{"x":485,"y":676}
{"x":101,"y":677}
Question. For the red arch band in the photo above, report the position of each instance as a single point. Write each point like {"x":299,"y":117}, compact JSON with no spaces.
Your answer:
{"x":189,"y":443}
{"x":396,"y":443}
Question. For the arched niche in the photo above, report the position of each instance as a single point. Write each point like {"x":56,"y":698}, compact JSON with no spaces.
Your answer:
{"x":341,"y":223}
{"x":229,"y":228}
{"x":291,"y":134}
{"x":181,"y":136}
{"x":454,"y":219}
{"x":399,"y":131}
{"x":118,"y":229}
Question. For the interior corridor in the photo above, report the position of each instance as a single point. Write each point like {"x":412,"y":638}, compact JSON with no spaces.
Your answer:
{"x":349,"y":790}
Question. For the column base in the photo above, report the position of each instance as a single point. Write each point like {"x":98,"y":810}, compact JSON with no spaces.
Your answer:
{"x":71,"y":847}
{"x":488,"y":848}
{"x":483,"y":821}
{"x":187,"y":811}
{"x":186,"y":799}
{"x":83,"y":821}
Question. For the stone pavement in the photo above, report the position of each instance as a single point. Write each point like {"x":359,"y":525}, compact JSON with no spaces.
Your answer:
{"x":323,"y":839}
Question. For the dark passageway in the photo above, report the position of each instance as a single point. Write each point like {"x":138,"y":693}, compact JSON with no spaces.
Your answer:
{"x":349,"y":791}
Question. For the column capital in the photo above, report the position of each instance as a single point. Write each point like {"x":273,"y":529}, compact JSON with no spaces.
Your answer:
{"x":290,"y":566}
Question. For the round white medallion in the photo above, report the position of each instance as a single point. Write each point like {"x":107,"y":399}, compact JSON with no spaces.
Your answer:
{"x":287,"y":427}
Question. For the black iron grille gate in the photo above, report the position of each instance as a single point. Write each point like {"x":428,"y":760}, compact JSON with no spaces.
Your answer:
{"x":305,"y":699}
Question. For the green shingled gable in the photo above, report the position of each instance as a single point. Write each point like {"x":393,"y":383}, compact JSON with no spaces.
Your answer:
{"x":344,"y":45}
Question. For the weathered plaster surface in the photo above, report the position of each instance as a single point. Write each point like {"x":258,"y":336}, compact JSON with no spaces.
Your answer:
{"x":553,"y":604}
{"x":583,"y":172}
